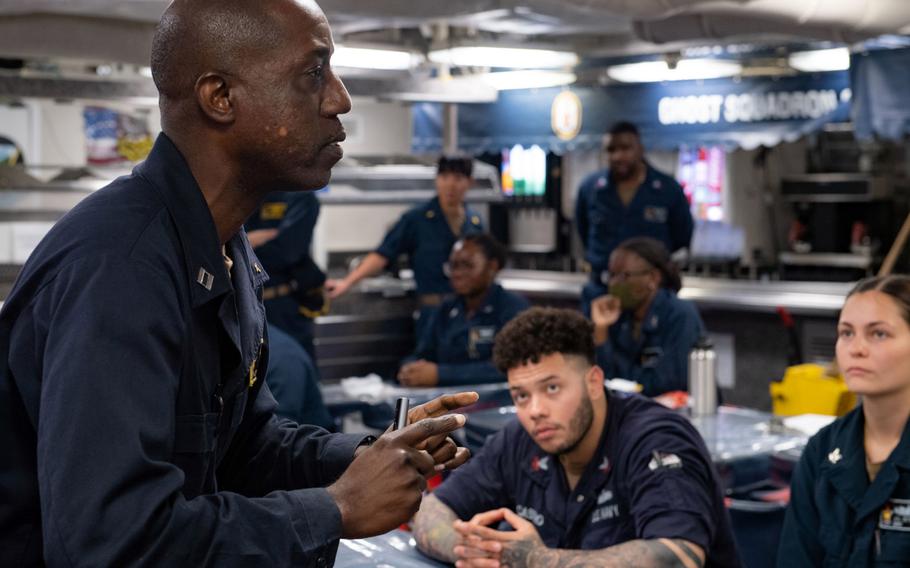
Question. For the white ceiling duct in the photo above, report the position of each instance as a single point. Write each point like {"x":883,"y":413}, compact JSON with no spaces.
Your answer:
{"x":642,"y":9}
{"x":719,"y":28}
{"x":836,"y":20}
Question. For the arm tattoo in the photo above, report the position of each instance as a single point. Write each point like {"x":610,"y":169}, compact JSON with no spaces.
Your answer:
{"x":433,"y":529}
{"x":643,"y":553}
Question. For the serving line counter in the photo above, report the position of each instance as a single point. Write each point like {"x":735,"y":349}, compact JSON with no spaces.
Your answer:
{"x":742,"y":311}
{"x":801,"y":298}
{"x":807,"y":298}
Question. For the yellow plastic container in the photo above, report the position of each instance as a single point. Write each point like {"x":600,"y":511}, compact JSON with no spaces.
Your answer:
{"x":809,"y":389}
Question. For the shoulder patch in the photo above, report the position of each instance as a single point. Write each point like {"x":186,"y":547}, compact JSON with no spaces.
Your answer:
{"x":660,"y":460}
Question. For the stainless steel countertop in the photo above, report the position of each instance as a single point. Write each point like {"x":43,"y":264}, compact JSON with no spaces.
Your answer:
{"x":806,"y":298}
{"x":820,"y":298}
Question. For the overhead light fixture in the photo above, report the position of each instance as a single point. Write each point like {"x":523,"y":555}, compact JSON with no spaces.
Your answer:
{"x":505,"y":57}
{"x":835,"y":59}
{"x":369,"y":58}
{"x":528,"y":79}
{"x":685,"y":70}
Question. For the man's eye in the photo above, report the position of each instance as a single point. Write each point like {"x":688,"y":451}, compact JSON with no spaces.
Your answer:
{"x":844,"y":333}
{"x":318,"y":71}
{"x":552,"y":389}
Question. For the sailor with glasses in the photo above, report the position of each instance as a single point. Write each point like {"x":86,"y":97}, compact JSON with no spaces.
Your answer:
{"x":643,"y":332}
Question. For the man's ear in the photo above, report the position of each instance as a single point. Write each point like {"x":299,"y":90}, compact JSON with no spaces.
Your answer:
{"x":594,"y":381}
{"x":213,"y":94}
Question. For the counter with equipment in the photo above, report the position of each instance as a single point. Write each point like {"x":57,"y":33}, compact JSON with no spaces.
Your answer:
{"x":746,"y":311}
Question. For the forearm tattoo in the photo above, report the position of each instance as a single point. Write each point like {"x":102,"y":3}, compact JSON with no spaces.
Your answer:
{"x":643,"y":553}
{"x":433,"y":529}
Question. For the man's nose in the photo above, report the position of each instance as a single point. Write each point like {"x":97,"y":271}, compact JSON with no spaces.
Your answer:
{"x":337,"y":100}
{"x":538,"y":407}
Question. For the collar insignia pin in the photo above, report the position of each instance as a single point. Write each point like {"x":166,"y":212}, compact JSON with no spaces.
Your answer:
{"x":835,"y":456}
{"x":205,"y":279}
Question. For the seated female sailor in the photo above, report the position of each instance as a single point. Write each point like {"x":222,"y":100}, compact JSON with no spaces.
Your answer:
{"x":850,"y":493}
{"x":643,"y":332}
{"x":456,"y":345}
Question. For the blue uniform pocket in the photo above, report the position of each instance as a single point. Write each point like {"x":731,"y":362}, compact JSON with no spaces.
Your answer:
{"x":195,"y":433}
{"x":895,"y":547}
{"x":834,"y":543}
{"x":194,"y":451}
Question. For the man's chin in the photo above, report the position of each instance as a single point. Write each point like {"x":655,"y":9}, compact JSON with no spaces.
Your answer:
{"x":621,"y":174}
{"x":310,"y":181}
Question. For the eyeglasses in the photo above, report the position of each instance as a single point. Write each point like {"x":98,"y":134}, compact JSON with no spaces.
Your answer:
{"x":627,"y":274}
{"x":458,"y":265}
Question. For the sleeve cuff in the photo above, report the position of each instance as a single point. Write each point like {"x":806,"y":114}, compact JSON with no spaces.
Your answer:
{"x":317,"y":522}
{"x":384,"y":253}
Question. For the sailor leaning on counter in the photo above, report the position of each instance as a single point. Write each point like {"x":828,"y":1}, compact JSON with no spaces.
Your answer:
{"x":426,"y":234}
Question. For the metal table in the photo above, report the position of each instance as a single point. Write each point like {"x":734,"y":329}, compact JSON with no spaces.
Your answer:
{"x":396,"y":549}
{"x":378,"y":407}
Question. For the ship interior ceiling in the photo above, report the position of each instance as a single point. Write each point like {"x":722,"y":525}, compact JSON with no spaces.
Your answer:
{"x":784,"y":123}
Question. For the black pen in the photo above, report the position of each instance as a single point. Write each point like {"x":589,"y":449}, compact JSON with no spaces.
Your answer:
{"x":401,"y":413}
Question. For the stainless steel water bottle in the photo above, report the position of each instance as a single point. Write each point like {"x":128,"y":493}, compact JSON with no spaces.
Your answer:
{"x":703,"y":378}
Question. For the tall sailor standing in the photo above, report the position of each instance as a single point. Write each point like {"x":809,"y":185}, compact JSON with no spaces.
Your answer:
{"x":629,"y":199}
{"x":426,"y":234}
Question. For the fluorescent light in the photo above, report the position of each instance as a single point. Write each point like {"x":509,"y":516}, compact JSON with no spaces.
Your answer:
{"x":368,"y":58}
{"x":508,"y":57}
{"x":532,"y":79}
{"x":836,"y":59}
{"x":686,"y":70}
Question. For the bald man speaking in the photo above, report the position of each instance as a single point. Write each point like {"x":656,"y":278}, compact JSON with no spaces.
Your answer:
{"x":135,"y":425}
